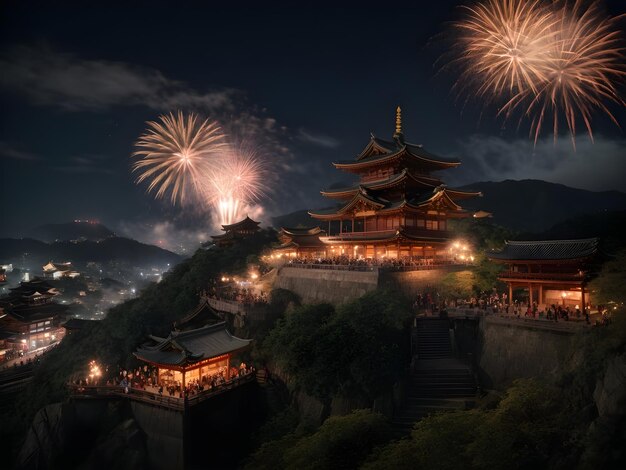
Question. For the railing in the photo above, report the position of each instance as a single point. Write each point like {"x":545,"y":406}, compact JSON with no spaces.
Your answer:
{"x":145,"y":396}
{"x":437,"y":264}
{"x":542,"y":276}
{"x":417,"y":232}
{"x":333,"y":267}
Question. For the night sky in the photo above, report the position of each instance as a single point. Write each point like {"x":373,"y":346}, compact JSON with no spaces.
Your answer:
{"x":310,"y":83}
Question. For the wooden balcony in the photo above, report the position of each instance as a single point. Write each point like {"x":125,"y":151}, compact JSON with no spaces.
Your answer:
{"x":565,"y":277}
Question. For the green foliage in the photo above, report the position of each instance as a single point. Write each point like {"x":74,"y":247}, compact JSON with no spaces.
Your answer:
{"x":457,"y":285}
{"x":486,"y":275}
{"x":527,"y":430}
{"x":438,"y":441}
{"x":342,"y":442}
{"x":360,"y":348}
{"x":610,"y":284}
{"x":482,"y":234}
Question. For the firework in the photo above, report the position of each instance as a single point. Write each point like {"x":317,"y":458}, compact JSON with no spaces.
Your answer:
{"x":541,"y":59}
{"x":235,"y":182}
{"x":176,"y":155}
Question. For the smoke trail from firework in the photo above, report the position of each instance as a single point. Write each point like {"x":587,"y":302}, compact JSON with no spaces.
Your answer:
{"x":176,"y":154}
{"x":540,"y":58}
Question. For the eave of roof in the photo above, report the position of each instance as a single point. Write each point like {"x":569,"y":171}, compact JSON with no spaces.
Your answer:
{"x":547,"y":250}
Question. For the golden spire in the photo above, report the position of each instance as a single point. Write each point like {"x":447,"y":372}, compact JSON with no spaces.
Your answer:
{"x":398,"y":121}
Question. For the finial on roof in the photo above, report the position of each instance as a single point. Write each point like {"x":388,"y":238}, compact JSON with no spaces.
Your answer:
{"x":398,"y":121}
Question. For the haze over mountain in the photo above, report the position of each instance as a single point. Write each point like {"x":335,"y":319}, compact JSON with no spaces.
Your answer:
{"x":526,"y":206}
{"x":125,"y":250}
{"x":75,"y":230}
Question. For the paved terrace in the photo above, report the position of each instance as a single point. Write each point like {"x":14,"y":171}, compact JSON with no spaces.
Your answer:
{"x":151,"y":395}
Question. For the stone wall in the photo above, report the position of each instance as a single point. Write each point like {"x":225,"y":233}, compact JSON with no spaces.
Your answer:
{"x":337,"y":287}
{"x":507,"y":351}
{"x":321,"y":285}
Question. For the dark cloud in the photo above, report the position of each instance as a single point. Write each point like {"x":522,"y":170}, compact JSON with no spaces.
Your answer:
{"x":594,"y":166}
{"x":49,"y":77}
{"x":9,"y":151}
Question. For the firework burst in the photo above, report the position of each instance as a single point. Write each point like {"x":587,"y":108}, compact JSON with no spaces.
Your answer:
{"x":236,"y":182}
{"x":548,"y":60}
{"x":176,"y":155}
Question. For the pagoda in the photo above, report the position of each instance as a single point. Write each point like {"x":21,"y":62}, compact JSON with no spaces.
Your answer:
{"x":245,"y":228}
{"x":398,"y":208}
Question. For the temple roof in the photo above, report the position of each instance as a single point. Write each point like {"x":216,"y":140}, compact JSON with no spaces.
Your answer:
{"x":439,"y":196}
{"x":547,"y":250}
{"x":385,"y":183}
{"x":201,"y":315}
{"x":29,"y":313}
{"x":379,"y":151}
{"x":242,"y":224}
{"x":188,"y":347}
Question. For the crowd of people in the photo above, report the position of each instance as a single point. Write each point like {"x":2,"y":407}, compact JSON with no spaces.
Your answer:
{"x":404,"y":262}
{"x":146,"y":378}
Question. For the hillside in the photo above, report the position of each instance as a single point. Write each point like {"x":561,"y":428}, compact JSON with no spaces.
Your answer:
{"x":76,"y":230}
{"x":12,"y":250}
{"x":535,"y":206}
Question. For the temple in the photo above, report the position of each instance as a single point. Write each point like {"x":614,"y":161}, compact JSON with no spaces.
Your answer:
{"x":398,"y":208}
{"x":232,"y":232}
{"x":59,"y":270}
{"x":29,"y":317}
{"x":554,"y":272}
{"x":186,"y":356}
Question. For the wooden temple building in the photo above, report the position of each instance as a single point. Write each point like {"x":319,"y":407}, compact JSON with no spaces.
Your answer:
{"x":29,"y":317}
{"x":302,"y":242}
{"x":243,"y":229}
{"x":185,"y":356}
{"x":554,"y":272}
{"x":59,"y":270}
{"x":399,"y":207}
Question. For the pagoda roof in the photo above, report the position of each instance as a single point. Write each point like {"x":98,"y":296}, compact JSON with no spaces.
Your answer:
{"x":380,"y":151}
{"x":53,"y":267}
{"x":384,"y":183}
{"x":185,"y":348}
{"x":244,"y":223}
{"x":548,"y":250}
{"x":438,"y":196}
{"x":201,"y":315}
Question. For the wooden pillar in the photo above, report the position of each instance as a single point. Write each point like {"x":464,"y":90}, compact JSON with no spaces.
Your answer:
{"x":540,"y":293}
{"x":510,"y":294}
{"x":228,"y":367}
{"x":329,"y":228}
{"x":184,"y":386}
{"x":341,"y":227}
{"x":530,"y":294}
{"x":582,"y":297}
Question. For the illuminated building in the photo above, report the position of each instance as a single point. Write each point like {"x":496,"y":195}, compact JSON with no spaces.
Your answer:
{"x":29,"y":317}
{"x":555,"y":272}
{"x":59,"y":270}
{"x":398,"y":208}
{"x":243,"y":229}
{"x":185,"y":356}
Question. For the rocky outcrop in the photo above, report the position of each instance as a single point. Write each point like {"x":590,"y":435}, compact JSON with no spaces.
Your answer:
{"x":610,"y":392}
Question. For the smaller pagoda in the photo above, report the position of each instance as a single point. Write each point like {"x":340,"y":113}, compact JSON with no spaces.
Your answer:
{"x":185,"y":356}
{"x":232,"y":232}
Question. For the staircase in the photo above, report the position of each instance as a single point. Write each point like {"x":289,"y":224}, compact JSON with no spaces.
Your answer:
{"x":433,"y":338}
{"x":438,"y":381}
